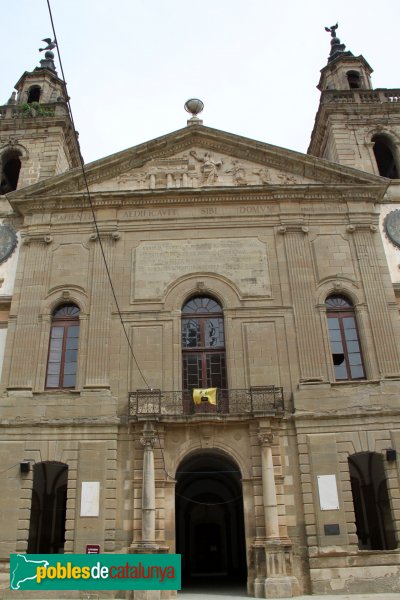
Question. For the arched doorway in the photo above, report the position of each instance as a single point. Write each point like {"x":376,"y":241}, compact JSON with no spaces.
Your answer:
{"x":209,"y":520}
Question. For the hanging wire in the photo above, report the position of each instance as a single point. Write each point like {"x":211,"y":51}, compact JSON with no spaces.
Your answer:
{"x":98,"y":232}
{"x":89,"y":198}
{"x":209,"y":503}
{"x":8,"y":469}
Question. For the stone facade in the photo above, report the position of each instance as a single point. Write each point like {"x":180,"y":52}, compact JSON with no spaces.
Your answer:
{"x":262,"y":484}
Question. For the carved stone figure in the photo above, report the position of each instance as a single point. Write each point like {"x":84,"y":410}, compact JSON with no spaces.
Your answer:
{"x":238,"y":173}
{"x":287,"y":179}
{"x":210,"y":167}
{"x":264,"y":175}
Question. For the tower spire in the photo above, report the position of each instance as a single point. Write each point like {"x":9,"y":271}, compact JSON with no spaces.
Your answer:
{"x":48,"y":61}
{"x":337,"y":48}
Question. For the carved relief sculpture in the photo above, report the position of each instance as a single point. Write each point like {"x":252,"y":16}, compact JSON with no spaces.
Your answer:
{"x":210,"y":167}
{"x":238,"y":173}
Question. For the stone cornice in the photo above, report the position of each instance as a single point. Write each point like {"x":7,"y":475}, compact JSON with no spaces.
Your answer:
{"x":288,"y":161}
{"x":212,"y":195}
{"x":353,"y":412}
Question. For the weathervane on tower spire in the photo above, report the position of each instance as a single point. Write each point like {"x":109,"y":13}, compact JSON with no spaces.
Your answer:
{"x":331,"y":29}
{"x":48,"y":61}
{"x":336,"y":47}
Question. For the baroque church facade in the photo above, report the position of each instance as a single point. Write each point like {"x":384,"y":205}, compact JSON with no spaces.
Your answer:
{"x":240,"y":405}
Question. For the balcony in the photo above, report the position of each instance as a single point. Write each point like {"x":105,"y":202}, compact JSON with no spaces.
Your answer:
{"x":254,"y":402}
{"x":360,"y":96}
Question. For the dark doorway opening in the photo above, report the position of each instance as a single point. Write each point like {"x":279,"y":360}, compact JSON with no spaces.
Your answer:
{"x":48,"y":508}
{"x":209,"y":521}
{"x":374,"y":522}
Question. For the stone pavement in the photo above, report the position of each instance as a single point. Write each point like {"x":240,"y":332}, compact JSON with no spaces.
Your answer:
{"x":221,"y":595}
{"x":240,"y":594}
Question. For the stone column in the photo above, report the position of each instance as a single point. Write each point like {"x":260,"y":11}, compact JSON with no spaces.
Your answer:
{"x":148,"y":488}
{"x":272,"y":556}
{"x":268,"y":486}
{"x":148,"y":544}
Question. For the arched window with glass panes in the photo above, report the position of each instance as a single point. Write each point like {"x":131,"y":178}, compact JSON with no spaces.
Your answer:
{"x":344,"y":339}
{"x":63,"y":347}
{"x":203,"y":344}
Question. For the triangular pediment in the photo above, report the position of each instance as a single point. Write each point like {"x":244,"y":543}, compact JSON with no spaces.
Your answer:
{"x":198,"y":157}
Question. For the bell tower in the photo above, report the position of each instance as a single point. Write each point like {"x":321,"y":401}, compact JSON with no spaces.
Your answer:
{"x":356,"y":125}
{"x":36,"y":134}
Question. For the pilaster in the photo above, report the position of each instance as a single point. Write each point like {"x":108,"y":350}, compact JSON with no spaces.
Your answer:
{"x":27,"y":330}
{"x":98,"y":357}
{"x":302,"y":283}
{"x":385,"y":344}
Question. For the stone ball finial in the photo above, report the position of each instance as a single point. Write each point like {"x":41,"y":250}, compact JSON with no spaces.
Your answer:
{"x":194,"y":106}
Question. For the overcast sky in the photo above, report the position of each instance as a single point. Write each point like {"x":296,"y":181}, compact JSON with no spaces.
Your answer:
{"x":130,"y":65}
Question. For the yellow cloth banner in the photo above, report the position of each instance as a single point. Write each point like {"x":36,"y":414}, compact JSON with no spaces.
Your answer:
{"x":205,"y":395}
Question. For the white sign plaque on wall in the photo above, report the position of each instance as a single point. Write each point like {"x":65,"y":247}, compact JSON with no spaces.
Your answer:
{"x":90,"y":499}
{"x":328,"y":494}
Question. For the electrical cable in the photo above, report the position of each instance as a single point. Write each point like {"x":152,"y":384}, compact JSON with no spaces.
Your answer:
{"x":97,"y":229}
{"x":209,"y":503}
{"x":91,"y":204}
{"x":102,"y":249}
{"x":12,"y":466}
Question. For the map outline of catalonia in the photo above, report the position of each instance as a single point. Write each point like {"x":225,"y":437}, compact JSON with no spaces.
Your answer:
{"x":16,"y":585}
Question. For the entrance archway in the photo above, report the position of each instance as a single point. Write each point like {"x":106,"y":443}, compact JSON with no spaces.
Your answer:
{"x":209,"y":519}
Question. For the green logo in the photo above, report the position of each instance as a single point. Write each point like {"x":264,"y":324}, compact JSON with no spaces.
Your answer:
{"x":95,"y":572}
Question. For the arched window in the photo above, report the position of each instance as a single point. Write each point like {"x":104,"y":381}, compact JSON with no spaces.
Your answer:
{"x":48,"y":508}
{"x":34,"y":94}
{"x":343,"y":336}
{"x":354,"y":79}
{"x":203,"y":344}
{"x":374,"y":521}
{"x":385,"y":156}
{"x":10,"y":168}
{"x":63,"y":348}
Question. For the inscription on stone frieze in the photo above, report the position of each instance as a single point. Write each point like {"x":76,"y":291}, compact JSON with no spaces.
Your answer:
{"x":202,"y":211}
{"x":149,"y":213}
{"x":158,"y":264}
{"x":66,"y":217}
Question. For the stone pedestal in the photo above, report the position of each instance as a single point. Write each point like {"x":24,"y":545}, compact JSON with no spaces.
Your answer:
{"x":273,"y":564}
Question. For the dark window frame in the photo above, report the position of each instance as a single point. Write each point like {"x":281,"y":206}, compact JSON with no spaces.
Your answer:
{"x":210,"y":359}
{"x":61,"y":319}
{"x":340,"y":308}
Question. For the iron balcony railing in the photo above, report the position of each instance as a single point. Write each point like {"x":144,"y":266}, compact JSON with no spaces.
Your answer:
{"x":256,"y":400}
